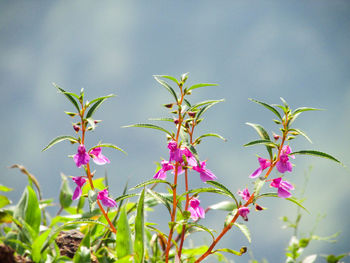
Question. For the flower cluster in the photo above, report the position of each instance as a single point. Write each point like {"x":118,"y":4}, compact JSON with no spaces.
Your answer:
{"x":181,"y":157}
{"x":82,"y":157}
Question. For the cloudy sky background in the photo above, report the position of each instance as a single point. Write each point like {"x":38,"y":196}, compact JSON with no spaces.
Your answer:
{"x":252,"y":49}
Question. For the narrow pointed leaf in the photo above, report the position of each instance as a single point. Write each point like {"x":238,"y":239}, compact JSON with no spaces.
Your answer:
{"x":161,"y":199}
{"x":152,"y":181}
{"x":224,"y":189}
{"x":167,"y":86}
{"x":150,"y":126}
{"x":291,"y":199}
{"x":265,"y":142}
{"x":162,"y":119}
{"x":4,"y":201}
{"x":65,"y":193}
{"x":38,"y":245}
{"x":169,"y":77}
{"x":263,"y":135}
{"x":83,"y":255}
{"x":271,"y":108}
{"x":203,"y":228}
{"x":224,"y":205}
{"x":109,"y":145}
{"x":200,"y":85}
{"x":60,"y":139}
{"x":318,"y":154}
{"x":69,"y":96}
{"x":202,"y":103}
{"x":237,"y":253}
{"x":211,"y":135}
{"x":101,"y":98}
{"x":302,"y":109}
{"x":244,"y":229}
{"x":123,"y":239}
{"x":187,"y":103}
{"x":139,"y":230}
{"x":94,"y":108}
{"x":123,"y":197}
{"x":5,"y":188}
{"x":302,"y":134}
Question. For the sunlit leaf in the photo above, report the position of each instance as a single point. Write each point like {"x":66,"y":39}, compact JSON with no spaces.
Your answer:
{"x":244,"y":229}
{"x":200,"y":85}
{"x":162,"y":199}
{"x":65,"y":193}
{"x":94,"y":107}
{"x":271,"y":108}
{"x":5,"y":188}
{"x":224,"y":205}
{"x":211,"y":135}
{"x":265,"y":142}
{"x":70,"y":96}
{"x":152,"y":181}
{"x":108,"y":145}
{"x":224,"y":189}
{"x":318,"y":154}
{"x":4,"y":201}
{"x":150,"y":126}
{"x":38,"y":245}
{"x":166,"y":85}
{"x":291,"y":199}
{"x":139,"y":230}
{"x":60,"y":139}
{"x":263,"y":135}
{"x":201,"y":227}
{"x":123,"y":240}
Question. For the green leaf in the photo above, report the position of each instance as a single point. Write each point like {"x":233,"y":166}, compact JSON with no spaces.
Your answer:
{"x":109,"y":145}
{"x":161,"y":199}
{"x":162,"y":119}
{"x":268,"y":107}
{"x":318,"y":154}
{"x":38,"y":244}
{"x":200,"y":85}
{"x":66,"y":193}
{"x":139,"y":230}
{"x":244,"y":229}
{"x":202,"y":103}
{"x":310,"y":259}
{"x":169,"y":77}
{"x":70,"y":96}
{"x":211,"y":135}
{"x":263,"y":135}
{"x":122,"y":197}
{"x":123,"y":239}
{"x":4,"y":201}
{"x":98,"y":184}
{"x":92,"y":197}
{"x":224,"y":205}
{"x":205,"y":108}
{"x":152,"y":181}
{"x":28,"y":210}
{"x":91,"y":121}
{"x":265,"y":142}
{"x":302,"y":109}
{"x":167,"y":86}
{"x":201,"y":227}
{"x":224,"y":189}
{"x":59,"y":139}
{"x":258,"y":184}
{"x":5,"y":188}
{"x":300,"y":132}
{"x":291,"y":199}
{"x":101,"y":98}
{"x":94,"y":107}
{"x":150,"y":126}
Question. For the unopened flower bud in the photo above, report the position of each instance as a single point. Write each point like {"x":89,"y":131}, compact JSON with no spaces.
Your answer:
{"x":176,"y":121}
{"x":169,"y":106}
{"x":192,"y":114}
{"x":276,"y":137}
{"x":259,"y":208}
{"x":76,"y":128}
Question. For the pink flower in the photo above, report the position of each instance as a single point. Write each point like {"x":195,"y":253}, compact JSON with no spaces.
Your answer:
{"x":161,"y":174}
{"x":283,"y":187}
{"x":191,"y":160}
{"x":243,"y":212}
{"x":98,"y":157}
{"x":264,"y":163}
{"x":205,"y":174}
{"x":284,"y":164}
{"x":106,"y":201}
{"x":196,"y":210}
{"x":244,"y":194}
{"x":80,"y":181}
{"x":82,"y":157}
{"x":175,"y":153}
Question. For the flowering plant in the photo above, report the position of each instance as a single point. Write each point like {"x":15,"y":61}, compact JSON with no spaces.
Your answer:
{"x":117,"y":229}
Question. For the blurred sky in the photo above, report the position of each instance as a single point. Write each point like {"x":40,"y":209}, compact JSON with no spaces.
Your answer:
{"x":298,"y":50}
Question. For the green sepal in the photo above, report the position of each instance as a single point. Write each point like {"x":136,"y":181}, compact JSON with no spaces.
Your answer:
{"x":123,"y":239}
{"x":245,"y":230}
{"x":271,"y":108}
{"x":318,"y":154}
{"x":166,"y":85}
{"x":263,"y":135}
{"x":139,"y":230}
{"x":60,"y":139}
{"x":200,"y":85}
{"x":150,"y":126}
